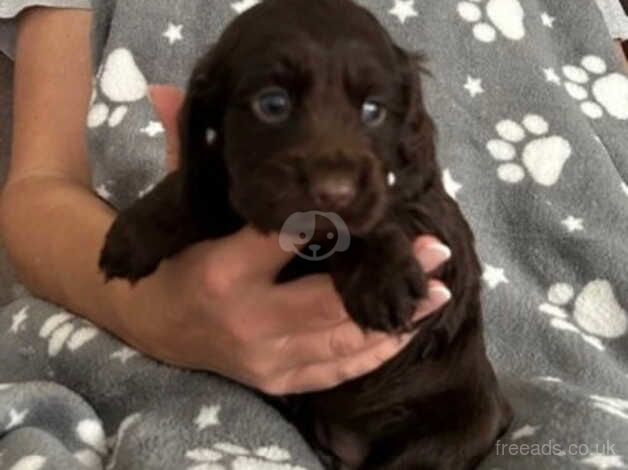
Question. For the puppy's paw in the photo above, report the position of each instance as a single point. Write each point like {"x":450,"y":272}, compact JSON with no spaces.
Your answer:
{"x":384,"y":297}
{"x":128,"y":252}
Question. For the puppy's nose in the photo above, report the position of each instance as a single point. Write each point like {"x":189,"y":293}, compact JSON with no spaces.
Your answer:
{"x":333,"y":193}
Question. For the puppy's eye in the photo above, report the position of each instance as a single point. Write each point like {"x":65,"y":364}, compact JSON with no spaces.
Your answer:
{"x":373,"y":113}
{"x":272,"y":105}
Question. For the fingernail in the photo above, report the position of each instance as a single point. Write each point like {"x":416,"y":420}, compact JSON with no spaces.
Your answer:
{"x":439,"y":252}
{"x":405,"y":338}
{"x":439,"y":294}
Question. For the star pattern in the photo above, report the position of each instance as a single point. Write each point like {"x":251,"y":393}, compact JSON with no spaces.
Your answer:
{"x":548,"y":20}
{"x":551,"y":76}
{"x":124,"y":354}
{"x":16,"y":418}
{"x":173,"y":33}
{"x":207,"y":416}
{"x":451,"y":186}
{"x":18,"y":320}
{"x":104,"y":192}
{"x":525,"y":431}
{"x":573,"y":224}
{"x":403,"y":9}
{"x":494,"y":276}
{"x":153,"y":129}
{"x":604,"y":462}
{"x":243,"y":5}
{"x":474,"y":86}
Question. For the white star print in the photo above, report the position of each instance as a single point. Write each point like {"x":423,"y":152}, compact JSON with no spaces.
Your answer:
{"x":451,"y":186}
{"x":153,"y":129}
{"x":243,"y":5}
{"x":550,"y":76}
{"x":604,"y":462}
{"x":494,"y":276}
{"x":403,"y":10}
{"x":15,"y":418}
{"x":18,"y":319}
{"x":124,"y":354}
{"x":474,"y":86}
{"x":173,"y":33}
{"x":103,"y":192}
{"x":548,"y":20}
{"x":573,"y":224}
{"x":525,"y":431}
{"x":208,"y":416}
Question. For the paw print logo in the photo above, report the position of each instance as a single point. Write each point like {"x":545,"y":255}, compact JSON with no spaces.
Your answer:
{"x":300,"y":229}
{"x":64,"y":329}
{"x":505,"y":16}
{"x":595,"y":312}
{"x":596,"y":90}
{"x":225,"y":455}
{"x":543,"y":156}
{"x":118,"y":83}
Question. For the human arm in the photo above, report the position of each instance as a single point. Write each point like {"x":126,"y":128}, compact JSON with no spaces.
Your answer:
{"x":202,"y":309}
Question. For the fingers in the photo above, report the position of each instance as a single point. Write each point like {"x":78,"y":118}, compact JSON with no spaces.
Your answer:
{"x":350,"y":352}
{"x":430,"y":252}
{"x":167,"y":101}
{"x":322,"y":376}
{"x":345,"y":339}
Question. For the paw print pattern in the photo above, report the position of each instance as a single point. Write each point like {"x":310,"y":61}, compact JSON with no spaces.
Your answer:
{"x":614,"y":406}
{"x":64,"y":329}
{"x":120,"y":82}
{"x":595,"y":312}
{"x":505,"y":16}
{"x":596,"y":90}
{"x":543,"y":156}
{"x":225,"y":455}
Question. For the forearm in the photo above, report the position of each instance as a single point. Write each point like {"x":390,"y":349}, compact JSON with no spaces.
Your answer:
{"x":53,"y":230}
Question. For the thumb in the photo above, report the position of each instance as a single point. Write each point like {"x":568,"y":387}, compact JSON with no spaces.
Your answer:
{"x":167,"y":101}
{"x":251,"y":253}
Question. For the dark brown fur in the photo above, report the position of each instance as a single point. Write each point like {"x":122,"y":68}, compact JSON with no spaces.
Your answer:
{"x":435,"y":406}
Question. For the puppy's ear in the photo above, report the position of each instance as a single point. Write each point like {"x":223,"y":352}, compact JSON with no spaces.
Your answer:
{"x":418,"y":134}
{"x":202,"y":163}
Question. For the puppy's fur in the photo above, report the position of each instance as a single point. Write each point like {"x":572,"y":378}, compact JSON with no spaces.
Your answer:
{"x":437,"y":405}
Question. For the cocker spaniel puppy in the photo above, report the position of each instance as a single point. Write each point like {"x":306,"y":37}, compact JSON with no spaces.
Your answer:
{"x":307,"y":109}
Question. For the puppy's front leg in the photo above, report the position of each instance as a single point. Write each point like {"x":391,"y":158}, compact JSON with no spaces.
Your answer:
{"x":155,"y":227}
{"x":380,"y":280}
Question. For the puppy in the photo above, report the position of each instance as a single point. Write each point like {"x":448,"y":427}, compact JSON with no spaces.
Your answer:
{"x":309,"y":106}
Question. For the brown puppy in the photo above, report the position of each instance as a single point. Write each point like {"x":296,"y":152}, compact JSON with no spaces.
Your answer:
{"x":309,"y":106}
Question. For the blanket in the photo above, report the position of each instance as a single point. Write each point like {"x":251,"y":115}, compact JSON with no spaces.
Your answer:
{"x":531,"y":107}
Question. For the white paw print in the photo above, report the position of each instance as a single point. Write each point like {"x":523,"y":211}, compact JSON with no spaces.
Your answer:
{"x":610,"y":91}
{"x":121,"y":82}
{"x":543,"y":156}
{"x":64,"y":329}
{"x":225,"y":455}
{"x":503,"y":15}
{"x":614,"y":406}
{"x":242,"y":5}
{"x":595,"y":313}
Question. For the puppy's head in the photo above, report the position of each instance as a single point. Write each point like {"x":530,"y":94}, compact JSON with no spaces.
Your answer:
{"x":314,"y":109}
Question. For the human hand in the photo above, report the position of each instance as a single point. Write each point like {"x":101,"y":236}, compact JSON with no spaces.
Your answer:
{"x":216,"y":307}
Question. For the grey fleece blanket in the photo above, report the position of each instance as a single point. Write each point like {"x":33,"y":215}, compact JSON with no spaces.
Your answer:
{"x":532,"y":111}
